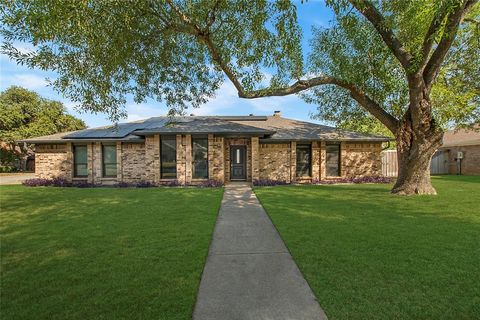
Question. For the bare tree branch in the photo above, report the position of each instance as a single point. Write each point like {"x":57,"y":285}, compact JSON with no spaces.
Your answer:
{"x":369,"y":11}
{"x":453,"y":21}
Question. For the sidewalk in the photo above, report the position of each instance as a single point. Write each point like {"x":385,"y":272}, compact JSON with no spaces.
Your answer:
{"x":249,"y":273}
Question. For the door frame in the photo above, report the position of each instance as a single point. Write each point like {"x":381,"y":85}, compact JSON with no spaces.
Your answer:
{"x":243,"y":149}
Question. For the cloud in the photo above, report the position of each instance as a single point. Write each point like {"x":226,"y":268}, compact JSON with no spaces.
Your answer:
{"x":27,"y":80}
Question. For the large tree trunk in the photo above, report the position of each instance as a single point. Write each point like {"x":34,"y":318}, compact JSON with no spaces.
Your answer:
{"x":415,"y":148}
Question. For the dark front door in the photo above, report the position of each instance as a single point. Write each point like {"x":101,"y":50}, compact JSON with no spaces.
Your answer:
{"x":238,"y":163}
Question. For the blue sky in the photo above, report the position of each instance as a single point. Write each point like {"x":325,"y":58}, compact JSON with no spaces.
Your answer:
{"x":226,"y":102}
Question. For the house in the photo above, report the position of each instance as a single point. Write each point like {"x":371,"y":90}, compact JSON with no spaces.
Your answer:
{"x":459,"y":153}
{"x":192,"y":149}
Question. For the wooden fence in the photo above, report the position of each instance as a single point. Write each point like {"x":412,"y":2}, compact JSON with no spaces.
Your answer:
{"x":389,"y":163}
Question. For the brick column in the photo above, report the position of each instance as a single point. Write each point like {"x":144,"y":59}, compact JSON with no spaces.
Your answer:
{"x":119,"y":162}
{"x":343,"y":159}
{"x":255,"y":159}
{"x":316,"y":160}
{"x":90,"y":157}
{"x":180,"y":159}
{"x":211,"y":156}
{"x":323,"y":159}
{"x":97,"y":162}
{"x":69,"y":164}
{"x":293,"y":161}
{"x":152,"y":158}
{"x":188,"y":159}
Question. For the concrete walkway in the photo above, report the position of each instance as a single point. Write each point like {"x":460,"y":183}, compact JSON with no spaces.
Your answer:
{"x":15,"y":178}
{"x":249,"y":272}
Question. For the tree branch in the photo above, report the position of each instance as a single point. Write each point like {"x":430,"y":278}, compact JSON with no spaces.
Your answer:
{"x":453,"y":21}
{"x":430,"y":36}
{"x":361,"y":97}
{"x":369,"y":11}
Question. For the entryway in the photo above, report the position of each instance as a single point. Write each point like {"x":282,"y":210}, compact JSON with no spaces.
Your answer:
{"x":238,"y":163}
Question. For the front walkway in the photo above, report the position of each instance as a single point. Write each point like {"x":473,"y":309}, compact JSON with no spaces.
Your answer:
{"x":249,"y":272}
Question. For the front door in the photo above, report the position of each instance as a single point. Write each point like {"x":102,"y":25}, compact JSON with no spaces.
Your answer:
{"x":238,"y":163}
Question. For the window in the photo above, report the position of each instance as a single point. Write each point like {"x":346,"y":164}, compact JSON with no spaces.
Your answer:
{"x":109,"y":160}
{"x":80,"y":161}
{"x":200,"y":158}
{"x":304,"y":156}
{"x":168,"y":158}
{"x":333,"y":160}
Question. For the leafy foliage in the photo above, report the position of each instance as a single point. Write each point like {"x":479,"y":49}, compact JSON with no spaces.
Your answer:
{"x":24,"y":114}
{"x":103,"y":50}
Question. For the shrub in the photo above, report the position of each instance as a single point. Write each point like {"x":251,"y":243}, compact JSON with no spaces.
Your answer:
{"x":367,"y":179}
{"x":37,"y":182}
{"x":124,"y":185}
{"x":82,"y":184}
{"x":211,"y":184}
{"x":145,"y":184}
{"x":7,"y":169}
{"x":269,"y":182}
{"x":59,"y":182}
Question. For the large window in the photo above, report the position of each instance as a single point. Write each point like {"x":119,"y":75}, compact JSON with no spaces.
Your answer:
{"x":168,"y":158}
{"x":333,"y":160}
{"x":109,"y":160}
{"x":304,"y":156}
{"x":200,"y":158}
{"x":80,"y":161}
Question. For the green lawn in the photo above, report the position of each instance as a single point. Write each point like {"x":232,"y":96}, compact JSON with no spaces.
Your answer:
{"x":368,"y":254}
{"x":104,"y":253}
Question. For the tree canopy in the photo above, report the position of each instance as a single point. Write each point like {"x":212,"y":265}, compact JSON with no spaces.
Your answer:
{"x":24,"y":114}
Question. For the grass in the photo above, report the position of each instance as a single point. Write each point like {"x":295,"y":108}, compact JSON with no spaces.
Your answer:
{"x":368,"y":254}
{"x":103,"y":253}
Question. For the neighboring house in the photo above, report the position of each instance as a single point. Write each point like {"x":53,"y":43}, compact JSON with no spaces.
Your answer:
{"x":195,"y":148}
{"x":459,"y":153}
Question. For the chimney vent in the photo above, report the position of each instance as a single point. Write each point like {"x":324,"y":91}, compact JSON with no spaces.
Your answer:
{"x":277,"y":113}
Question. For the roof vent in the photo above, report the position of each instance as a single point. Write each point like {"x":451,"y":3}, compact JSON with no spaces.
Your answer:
{"x":251,"y":114}
{"x":277,"y":113}
{"x":192,"y":115}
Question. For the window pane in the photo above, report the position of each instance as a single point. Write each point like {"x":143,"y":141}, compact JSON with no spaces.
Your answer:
{"x":80,"y":161}
{"x":81,"y":170}
{"x":109,"y":161}
{"x":200,"y":158}
{"x":168,"y":155}
{"x":333,"y":160}
{"x":303,"y":160}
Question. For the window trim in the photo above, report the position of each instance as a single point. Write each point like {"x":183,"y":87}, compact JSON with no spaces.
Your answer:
{"x":339,"y":163}
{"x":193,"y":158}
{"x":75,"y":163}
{"x":309,"y":160}
{"x":103,"y":161}
{"x":173,"y":138}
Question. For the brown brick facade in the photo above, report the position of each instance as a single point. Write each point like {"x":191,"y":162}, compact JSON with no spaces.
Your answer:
{"x":470,"y":164}
{"x":141,"y":161}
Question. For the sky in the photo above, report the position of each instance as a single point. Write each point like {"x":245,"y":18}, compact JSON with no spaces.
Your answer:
{"x":310,"y":13}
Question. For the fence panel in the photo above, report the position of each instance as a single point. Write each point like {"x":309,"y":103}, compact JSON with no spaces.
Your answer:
{"x":389,"y":163}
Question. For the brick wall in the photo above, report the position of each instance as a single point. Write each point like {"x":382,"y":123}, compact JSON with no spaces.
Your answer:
{"x":274,"y":161}
{"x":133,"y":162}
{"x":141,"y":162}
{"x":470,"y":161}
{"x":360,"y":159}
{"x":53,"y":160}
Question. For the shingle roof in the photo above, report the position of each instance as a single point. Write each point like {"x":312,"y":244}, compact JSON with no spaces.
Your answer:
{"x":295,"y":130}
{"x":272,"y":128}
{"x":461,"y":137}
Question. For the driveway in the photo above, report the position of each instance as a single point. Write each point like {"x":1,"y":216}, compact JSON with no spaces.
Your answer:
{"x":249,"y":273}
{"x":15,"y":178}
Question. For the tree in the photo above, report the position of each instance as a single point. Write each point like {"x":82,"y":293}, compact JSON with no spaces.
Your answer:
{"x":24,"y":114}
{"x":385,"y":56}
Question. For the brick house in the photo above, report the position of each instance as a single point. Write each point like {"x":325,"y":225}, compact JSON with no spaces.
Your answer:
{"x":195,"y":148}
{"x":465,"y":142}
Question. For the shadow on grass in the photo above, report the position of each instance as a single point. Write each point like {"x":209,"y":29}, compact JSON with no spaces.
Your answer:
{"x":369,"y":254}
{"x":71,"y":253}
